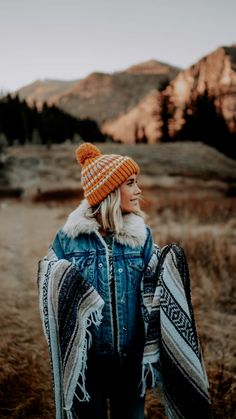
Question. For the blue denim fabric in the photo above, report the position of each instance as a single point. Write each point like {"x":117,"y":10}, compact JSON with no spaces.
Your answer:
{"x":89,"y":252}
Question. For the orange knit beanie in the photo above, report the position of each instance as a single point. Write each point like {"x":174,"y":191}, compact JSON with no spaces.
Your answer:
{"x":102,"y":173}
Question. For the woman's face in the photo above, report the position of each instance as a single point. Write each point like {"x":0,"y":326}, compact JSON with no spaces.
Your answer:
{"x":130,"y":195}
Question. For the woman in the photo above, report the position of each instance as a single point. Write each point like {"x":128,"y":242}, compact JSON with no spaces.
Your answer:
{"x":108,"y":241}
{"x":108,"y":249}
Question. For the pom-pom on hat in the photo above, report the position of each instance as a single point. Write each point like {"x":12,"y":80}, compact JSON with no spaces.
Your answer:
{"x":102,"y":173}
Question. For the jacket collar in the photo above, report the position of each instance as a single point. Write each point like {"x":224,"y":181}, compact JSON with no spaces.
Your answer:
{"x":81,"y":221}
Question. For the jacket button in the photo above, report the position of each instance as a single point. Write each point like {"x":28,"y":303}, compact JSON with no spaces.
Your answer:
{"x":122,"y":300}
{"x":120,"y":270}
{"x":100,"y":265}
{"x":124,"y":328}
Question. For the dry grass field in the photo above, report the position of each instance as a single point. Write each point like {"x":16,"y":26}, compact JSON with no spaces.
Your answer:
{"x":189,"y":196}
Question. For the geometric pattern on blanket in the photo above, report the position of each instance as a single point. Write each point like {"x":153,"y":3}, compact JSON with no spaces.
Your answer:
{"x":178,"y":318}
{"x":172,"y":353}
{"x":68,"y":306}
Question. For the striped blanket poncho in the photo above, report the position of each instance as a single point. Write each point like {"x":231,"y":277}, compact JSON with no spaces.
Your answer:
{"x":68,"y":306}
{"x":172,"y":354}
{"x":172,"y":351}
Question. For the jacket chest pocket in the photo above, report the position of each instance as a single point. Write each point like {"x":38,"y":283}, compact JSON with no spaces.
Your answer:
{"x":85,"y":263}
{"x":135,"y":268}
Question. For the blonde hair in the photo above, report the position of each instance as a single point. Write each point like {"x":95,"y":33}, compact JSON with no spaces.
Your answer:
{"x":109,"y":213}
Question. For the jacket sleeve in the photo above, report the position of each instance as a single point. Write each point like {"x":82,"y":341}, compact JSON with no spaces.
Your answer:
{"x":57,"y":246}
{"x":148,"y":247}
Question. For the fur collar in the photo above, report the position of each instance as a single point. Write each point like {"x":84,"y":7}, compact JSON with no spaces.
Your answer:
{"x":133,"y":233}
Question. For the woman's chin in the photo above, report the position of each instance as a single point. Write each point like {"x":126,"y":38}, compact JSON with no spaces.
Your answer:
{"x":133,"y":207}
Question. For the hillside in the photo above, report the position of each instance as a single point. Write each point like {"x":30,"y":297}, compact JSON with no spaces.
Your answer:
{"x":25,"y":167}
{"x":101,"y":96}
{"x":42,"y":91}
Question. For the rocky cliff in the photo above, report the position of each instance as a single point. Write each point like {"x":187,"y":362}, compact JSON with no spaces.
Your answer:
{"x":140,"y":124}
{"x":214,"y":74}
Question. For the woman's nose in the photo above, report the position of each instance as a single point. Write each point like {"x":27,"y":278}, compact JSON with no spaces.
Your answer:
{"x":138,"y":190}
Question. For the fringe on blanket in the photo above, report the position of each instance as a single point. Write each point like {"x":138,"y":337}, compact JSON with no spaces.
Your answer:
{"x":59,"y":283}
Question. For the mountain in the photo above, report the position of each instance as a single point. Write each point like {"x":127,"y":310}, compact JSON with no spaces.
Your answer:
{"x":102,"y":96}
{"x":214,"y":74}
{"x":42,"y":91}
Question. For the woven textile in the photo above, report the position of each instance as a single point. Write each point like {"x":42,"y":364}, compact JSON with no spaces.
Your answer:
{"x":172,"y":352}
{"x":68,"y":306}
{"x":102,"y":173}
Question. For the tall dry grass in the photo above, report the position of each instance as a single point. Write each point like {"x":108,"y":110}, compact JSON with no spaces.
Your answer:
{"x":25,"y":386}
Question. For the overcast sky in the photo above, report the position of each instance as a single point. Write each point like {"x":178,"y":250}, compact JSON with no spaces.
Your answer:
{"x":68,"y":39}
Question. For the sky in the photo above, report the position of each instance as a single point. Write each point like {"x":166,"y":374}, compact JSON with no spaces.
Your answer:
{"x":69,"y":39}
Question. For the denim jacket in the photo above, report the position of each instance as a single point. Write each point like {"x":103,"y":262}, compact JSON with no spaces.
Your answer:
{"x":80,"y":242}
